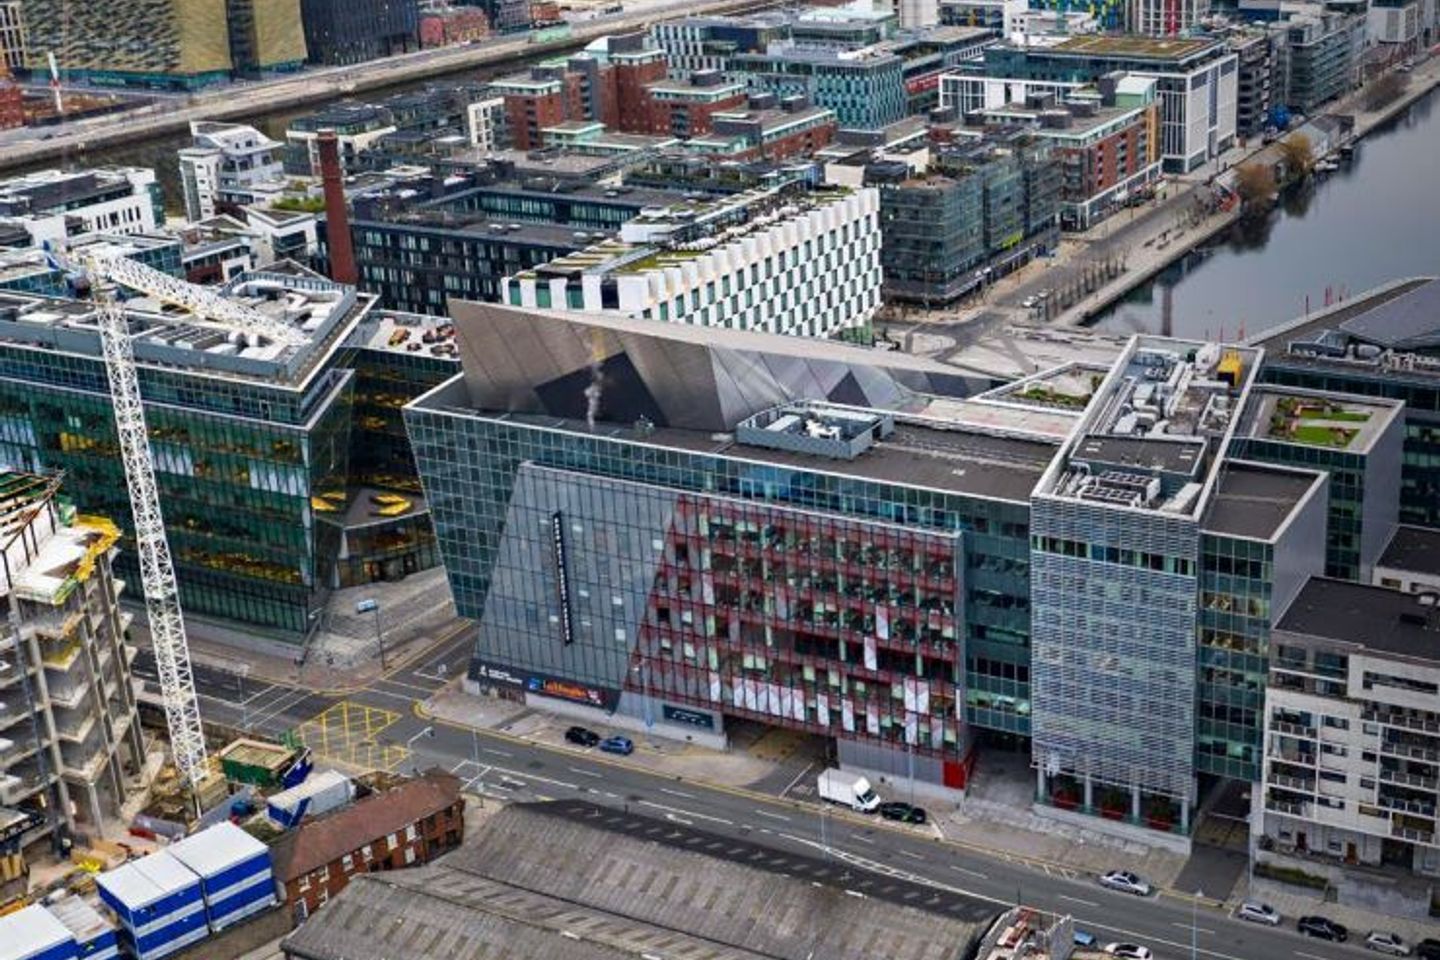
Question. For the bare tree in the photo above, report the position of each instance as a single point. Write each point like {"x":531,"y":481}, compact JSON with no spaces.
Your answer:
{"x":1255,"y":183}
{"x":1298,"y":154}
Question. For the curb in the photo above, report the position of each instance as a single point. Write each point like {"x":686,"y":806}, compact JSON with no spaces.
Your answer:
{"x":418,"y":708}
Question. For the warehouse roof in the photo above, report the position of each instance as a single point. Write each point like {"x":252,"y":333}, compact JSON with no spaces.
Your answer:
{"x":571,"y":880}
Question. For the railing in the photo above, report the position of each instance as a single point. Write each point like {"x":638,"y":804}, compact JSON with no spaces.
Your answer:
{"x":1406,"y":833}
{"x":1408,"y":806}
{"x":1413,"y":753}
{"x":1292,"y":729}
{"x":1409,"y":779}
{"x":1293,"y":783}
{"x":1401,"y":720}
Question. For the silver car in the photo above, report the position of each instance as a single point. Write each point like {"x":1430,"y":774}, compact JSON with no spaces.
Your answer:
{"x":1386,"y":943}
{"x":1125,"y":882}
{"x":1257,"y":912}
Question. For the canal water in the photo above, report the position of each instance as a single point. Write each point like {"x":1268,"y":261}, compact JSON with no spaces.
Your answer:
{"x":1375,"y":220}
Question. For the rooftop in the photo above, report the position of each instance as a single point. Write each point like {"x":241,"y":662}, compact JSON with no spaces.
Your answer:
{"x":1375,"y":618}
{"x":319,"y":310}
{"x":1134,"y":45}
{"x":1413,"y":549}
{"x":634,"y":886}
{"x":1314,"y":419}
{"x":1255,"y":501}
{"x":392,"y":331}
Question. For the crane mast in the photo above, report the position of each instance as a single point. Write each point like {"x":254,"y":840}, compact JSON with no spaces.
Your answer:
{"x":157,"y":570}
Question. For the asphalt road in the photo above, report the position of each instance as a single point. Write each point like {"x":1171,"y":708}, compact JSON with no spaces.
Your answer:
{"x":500,"y":767}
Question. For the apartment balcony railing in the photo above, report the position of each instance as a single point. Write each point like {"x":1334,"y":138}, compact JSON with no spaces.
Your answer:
{"x":1292,"y":729}
{"x":1410,"y":779}
{"x":1395,"y":719}
{"x":1420,"y":807}
{"x":1410,"y":752}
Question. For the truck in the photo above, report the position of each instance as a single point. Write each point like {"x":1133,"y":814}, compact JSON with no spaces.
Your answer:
{"x":848,"y":789}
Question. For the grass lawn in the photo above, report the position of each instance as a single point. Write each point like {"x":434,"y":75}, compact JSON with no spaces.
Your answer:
{"x":1318,"y":436}
{"x":1338,"y":416}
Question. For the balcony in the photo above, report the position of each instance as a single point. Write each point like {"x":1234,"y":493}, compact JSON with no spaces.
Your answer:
{"x":1425,"y":724}
{"x":1293,"y":783}
{"x":1409,"y":779}
{"x":1409,"y":752}
{"x":1419,"y":807}
{"x":1294,"y":808}
{"x":1293,"y":729}
{"x":1409,"y":833}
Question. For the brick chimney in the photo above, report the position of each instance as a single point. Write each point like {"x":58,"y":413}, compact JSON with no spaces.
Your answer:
{"x":337,"y":219}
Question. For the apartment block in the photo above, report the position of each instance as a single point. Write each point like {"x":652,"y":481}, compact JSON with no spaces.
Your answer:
{"x":1352,"y":730}
{"x":228,"y":166}
{"x":12,"y":35}
{"x":54,"y":206}
{"x":786,"y":259}
{"x":1324,"y":51}
{"x":1411,"y":561}
{"x":70,"y":746}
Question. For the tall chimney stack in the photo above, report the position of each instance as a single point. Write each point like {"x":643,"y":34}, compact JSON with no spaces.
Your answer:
{"x":337,"y":220}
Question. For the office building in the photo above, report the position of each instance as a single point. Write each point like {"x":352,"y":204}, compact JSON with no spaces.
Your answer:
{"x":866,"y":89}
{"x":353,"y":31}
{"x":991,"y":205}
{"x":791,"y":131}
{"x":1195,"y":77}
{"x":12,"y":35}
{"x":694,"y":44}
{"x":1165,"y":18}
{"x":229,"y":166}
{"x":845,"y":27}
{"x":247,"y":437}
{"x":1352,"y":732}
{"x":1356,"y":442}
{"x":997,"y":16}
{"x":266,"y":37}
{"x":31,"y":270}
{"x":784,"y":259}
{"x":1411,"y":561}
{"x":1102,"y":138}
{"x":72,"y":751}
{"x":1127,"y":526}
{"x":53,"y":206}
{"x":1324,"y":51}
{"x":1380,"y":344}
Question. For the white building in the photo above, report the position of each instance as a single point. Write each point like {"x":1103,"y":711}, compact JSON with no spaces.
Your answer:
{"x":916,"y":13}
{"x":1397,"y":22}
{"x":225,"y":166}
{"x":485,"y":124}
{"x":52,"y":206}
{"x":1165,"y":18}
{"x":1410,"y":562}
{"x":1352,"y":731}
{"x":780,"y":260}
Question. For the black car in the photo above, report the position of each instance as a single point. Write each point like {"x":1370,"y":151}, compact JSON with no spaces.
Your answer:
{"x":581,"y":736}
{"x":904,"y":812}
{"x":1322,"y":928}
{"x":1428,"y":949}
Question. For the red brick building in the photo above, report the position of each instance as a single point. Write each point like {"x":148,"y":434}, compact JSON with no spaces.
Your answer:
{"x":795,"y":130}
{"x":685,"y":108}
{"x":406,"y":825}
{"x":12,"y":100}
{"x":461,"y":25}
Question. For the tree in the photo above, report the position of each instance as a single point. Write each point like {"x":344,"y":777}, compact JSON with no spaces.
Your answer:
{"x":1255,"y":183}
{"x":1385,"y":90}
{"x":1297,"y":154}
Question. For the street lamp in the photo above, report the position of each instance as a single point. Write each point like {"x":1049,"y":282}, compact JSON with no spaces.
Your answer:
{"x":370,"y":605}
{"x":1194,"y":908}
{"x":427,"y":731}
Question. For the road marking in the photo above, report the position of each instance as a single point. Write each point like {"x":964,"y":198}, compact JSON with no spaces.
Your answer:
{"x":1186,"y":926}
{"x":912,"y":856}
{"x":1088,"y":903}
{"x":1309,"y":956}
{"x":586,"y":773}
{"x":498,"y":753}
{"x":856,"y":836}
{"x":677,"y":793}
{"x":674,"y":819}
{"x":773,"y":816}
{"x":970,"y":873}
{"x":791,"y":785}
{"x":688,"y":813}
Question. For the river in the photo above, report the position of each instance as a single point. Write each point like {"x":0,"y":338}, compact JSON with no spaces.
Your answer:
{"x":1375,"y":220}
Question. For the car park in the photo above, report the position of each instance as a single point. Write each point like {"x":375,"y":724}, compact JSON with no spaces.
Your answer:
{"x":582,"y":737}
{"x":622,"y":746}
{"x":1383,"y":942}
{"x":1257,"y":912}
{"x":904,"y":812}
{"x":1125,"y":882}
{"x":1322,"y":928}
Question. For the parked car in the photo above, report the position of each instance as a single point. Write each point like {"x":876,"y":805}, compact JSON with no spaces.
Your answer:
{"x":1322,"y":928}
{"x":582,"y":737}
{"x":904,"y":812}
{"x":623,"y":746}
{"x":1084,"y":938}
{"x":1257,"y":912}
{"x":1029,"y":302}
{"x":1125,"y":882}
{"x":1129,"y":951}
{"x":1382,"y":942}
{"x":1428,"y":949}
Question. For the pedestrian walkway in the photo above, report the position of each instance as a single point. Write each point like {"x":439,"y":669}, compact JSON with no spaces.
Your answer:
{"x":1294,"y":902}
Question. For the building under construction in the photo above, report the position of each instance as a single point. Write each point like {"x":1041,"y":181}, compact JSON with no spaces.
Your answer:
{"x":70,"y":744}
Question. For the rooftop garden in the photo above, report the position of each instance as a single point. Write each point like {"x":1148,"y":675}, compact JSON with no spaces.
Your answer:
{"x":1315,"y":422}
{"x":1055,"y":398}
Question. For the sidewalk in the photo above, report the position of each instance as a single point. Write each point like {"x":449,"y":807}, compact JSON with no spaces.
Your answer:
{"x":1293,"y":902}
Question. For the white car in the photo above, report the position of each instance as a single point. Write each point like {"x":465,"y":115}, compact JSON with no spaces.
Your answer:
{"x":1129,"y":951}
{"x":1125,"y":882}
{"x":1386,"y":943}
{"x":1029,"y":302}
{"x":1258,"y":912}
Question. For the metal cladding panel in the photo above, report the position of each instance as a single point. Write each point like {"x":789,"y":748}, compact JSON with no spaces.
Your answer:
{"x":163,"y":941}
{"x":213,"y":853}
{"x":1113,"y":672}
{"x":279,"y":35}
{"x":245,"y":903}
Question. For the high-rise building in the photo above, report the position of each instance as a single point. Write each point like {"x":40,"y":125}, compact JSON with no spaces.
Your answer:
{"x":266,"y":37}
{"x":12,"y":35}
{"x":220,"y":172}
{"x":353,"y":31}
{"x":1324,"y":51}
{"x":784,"y":259}
{"x":160,"y":43}
{"x":1165,"y":18}
{"x":53,"y":206}
{"x":73,"y":751}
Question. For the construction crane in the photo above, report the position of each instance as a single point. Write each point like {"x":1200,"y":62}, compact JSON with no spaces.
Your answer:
{"x":157,"y":569}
